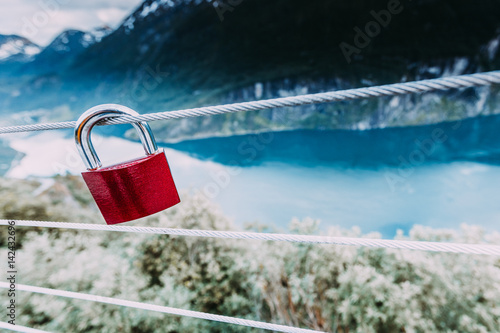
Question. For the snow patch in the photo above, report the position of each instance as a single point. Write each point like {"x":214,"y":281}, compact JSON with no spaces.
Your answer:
{"x":99,"y":33}
{"x":87,"y":40}
{"x":17,"y":46}
{"x":149,"y":9}
{"x":8,"y":49}
{"x":394,"y":103}
{"x":31,"y":50}
{"x":259,"y":90}
{"x":492,"y":47}
{"x":129,"y":24}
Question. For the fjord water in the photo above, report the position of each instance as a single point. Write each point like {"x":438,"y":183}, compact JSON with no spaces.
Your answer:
{"x":380,"y":180}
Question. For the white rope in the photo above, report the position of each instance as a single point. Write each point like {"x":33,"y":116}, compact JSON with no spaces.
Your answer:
{"x":159,"y":308}
{"x":18,"y":328}
{"x":368,"y":242}
{"x":452,"y":82}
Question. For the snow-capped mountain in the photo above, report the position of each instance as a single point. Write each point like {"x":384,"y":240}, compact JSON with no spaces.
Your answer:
{"x":63,"y":50}
{"x":16,"y":48}
{"x":265,"y":49}
{"x":73,"y":41}
{"x":157,"y":8}
{"x":171,"y":54}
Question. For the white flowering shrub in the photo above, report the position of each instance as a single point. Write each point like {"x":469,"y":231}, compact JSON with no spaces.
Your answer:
{"x":323,"y":287}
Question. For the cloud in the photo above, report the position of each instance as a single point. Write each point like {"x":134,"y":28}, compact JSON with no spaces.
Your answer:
{"x":111,"y":15}
{"x":42,"y":20}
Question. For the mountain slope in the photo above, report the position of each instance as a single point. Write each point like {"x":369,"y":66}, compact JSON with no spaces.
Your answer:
{"x":289,"y":37}
{"x":62,"y":51}
{"x":177,"y":54}
{"x":15,"y":51}
{"x":266,"y":49}
{"x":16,"y":48}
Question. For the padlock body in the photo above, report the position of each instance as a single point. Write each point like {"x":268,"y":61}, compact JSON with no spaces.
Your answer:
{"x":133,"y":189}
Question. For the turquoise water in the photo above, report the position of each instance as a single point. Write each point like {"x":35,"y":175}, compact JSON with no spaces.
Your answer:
{"x":476,"y":139}
{"x":380,"y":180}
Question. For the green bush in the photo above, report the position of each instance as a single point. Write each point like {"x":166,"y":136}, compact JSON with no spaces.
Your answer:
{"x":323,"y":287}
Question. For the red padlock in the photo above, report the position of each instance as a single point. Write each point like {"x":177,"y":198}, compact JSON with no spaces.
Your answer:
{"x":132,"y":189}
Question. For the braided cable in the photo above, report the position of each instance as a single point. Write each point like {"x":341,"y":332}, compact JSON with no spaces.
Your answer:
{"x":159,"y":308}
{"x":453,"y":82}
{"x":18,"y":328}
{"x":484,"y":249}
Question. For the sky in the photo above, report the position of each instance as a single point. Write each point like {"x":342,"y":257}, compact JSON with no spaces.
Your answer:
{"x":42,"y":20}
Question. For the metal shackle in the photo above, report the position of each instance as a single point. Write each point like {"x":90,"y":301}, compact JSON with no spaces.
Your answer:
{"x":92,"y":116}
